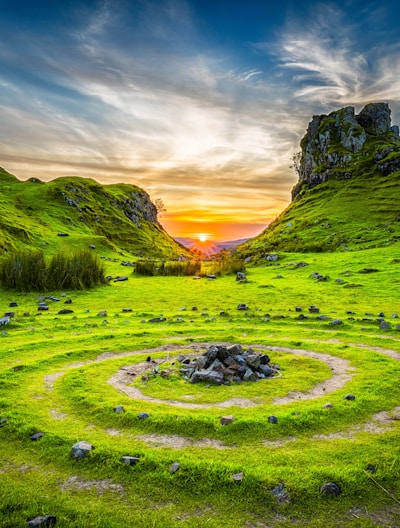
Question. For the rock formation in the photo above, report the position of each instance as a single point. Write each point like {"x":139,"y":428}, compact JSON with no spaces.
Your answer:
{"x":334,"y":143}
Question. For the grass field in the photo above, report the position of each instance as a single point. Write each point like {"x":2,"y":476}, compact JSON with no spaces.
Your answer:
{"x":56,"y":375}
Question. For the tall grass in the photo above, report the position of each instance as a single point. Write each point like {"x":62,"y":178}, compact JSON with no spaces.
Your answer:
{"x":150,"y":268}
{"x":29,"y":271}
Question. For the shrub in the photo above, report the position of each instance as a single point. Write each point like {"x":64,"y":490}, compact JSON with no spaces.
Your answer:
{"x":150,"y":268}
{"x":28,"y":271}
{"x":227,"y":265}
{"x":77,"y":271}
{"x":24,"y":271}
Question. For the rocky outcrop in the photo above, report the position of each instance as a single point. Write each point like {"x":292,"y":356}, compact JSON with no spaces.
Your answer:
{"x":334,"y":143}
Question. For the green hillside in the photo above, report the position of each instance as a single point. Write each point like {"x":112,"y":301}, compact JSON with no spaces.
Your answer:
{"x":347,"y":196}
{"x":118,"y":218}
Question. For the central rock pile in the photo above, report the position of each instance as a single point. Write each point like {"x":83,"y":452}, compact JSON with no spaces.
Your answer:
{"x":223,"y":364}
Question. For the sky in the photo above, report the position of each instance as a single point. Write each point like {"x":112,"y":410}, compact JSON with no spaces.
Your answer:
{"x":202,"y":103}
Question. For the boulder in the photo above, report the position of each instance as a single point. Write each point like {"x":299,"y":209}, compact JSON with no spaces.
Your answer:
{"x":80,"y":449}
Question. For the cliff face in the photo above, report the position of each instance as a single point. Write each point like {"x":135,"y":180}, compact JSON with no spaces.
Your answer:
{"x":335,"y":144}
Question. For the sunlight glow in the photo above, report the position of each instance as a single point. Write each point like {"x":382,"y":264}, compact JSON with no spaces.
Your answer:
{"x":203,"y":237}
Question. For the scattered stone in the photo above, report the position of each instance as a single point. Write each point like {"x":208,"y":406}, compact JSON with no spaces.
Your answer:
{"x":299,"y":309}
{"x":119,"y":409}
{"x":9,"y":314}
{"x":242,"y":306}
{"x":174,"y":467}
{"x":43,"y":520}
{"x":126,"y":310}
{"x":281,"y":494}
{"x":17,"y":368}
{"x":279,"y":276}
{"x":25,"y":314}
{"x":92,"y":246}
{"x":323,"y":318}
{"x":157,"y":320}
{"x":227,"y":420}
{"x":80,"y":449}
{"x":238,"y":477}
{"x":194,"y":308}
{"x":4,"y":320}
{"x":121,"y":278}
{"x":313,"y":309}
{"x":328,"y":406}
{"x":102,"y":313}
{"x":129,"y":460}
{"x":368,"y":270}
{"x":330,"y":489}
{"x":143,"y":415}
{"x":68,"y":301}
{"x":65,"y":311}
{"x":13,"y":304}
{"x":301,"y":317}
{"x":395,"y":316}
{"x":211,"y":276}
{"x":240,"y":276}
{"x":349,"y":397}
{"x":336,"y":322}
{"x":272,"y":257}
{"x":384,"y":325}
{"x":42,"y":307}
{"x":272,"y":419}
{"x":371,"y":468}
{"x":36,"y":436}
{"x":62,"y":234}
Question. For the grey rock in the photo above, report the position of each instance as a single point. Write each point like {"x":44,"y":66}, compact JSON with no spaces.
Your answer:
{"x":313,"y":309}
{"x":119,"y":409}
{"x":272,"y":419}
{"x":13,"y":304}
{"x":238,"y":477}
{"x":349,"y":397}
{"x":143,"y":415}
{"x":227,"y":420}
{"x":65,"y":311}
{"x":36,"y":436}
{"x":174,"y":467}
{"x":281,"y":494}
{"x":129,"y":460}
{"x":384,"y":325}
{"x":80,"y":449}
{"x":242,"y":306}
{"x":336,"y":322}
{"x":330,"y":489}
{"x":240,"y":276}
{"x":157,"y":320}
{"x":44,"y":521}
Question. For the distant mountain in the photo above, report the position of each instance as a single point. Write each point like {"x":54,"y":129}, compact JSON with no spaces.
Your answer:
{"x":75,"y":213}
{"x":348,"y":191}
{"x":210,"y":246}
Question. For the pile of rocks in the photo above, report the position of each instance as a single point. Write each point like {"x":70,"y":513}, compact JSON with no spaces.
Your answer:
{"x":222,"y":364}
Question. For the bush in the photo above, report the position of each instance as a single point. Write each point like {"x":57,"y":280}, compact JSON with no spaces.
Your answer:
{"x":78,"y":271}
{"x":28,"y":271}
{"x":24,"y":271}
{"x":227,"y":265}
{"x":150,"y":268}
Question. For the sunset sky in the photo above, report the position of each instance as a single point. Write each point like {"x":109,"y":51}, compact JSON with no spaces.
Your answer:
{"x":202,"y":103}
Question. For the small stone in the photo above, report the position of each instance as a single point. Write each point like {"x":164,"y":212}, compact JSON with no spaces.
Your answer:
{"x":281,"y":494}
{"x":36,"y":436}
{"x":102,"y":313}
{"x":242,"y":306}
{"x":129,"y":460}
{"x":371,"y":468}
{"x":272,"y":419}
{"x":126,"y":309}
{"x":336,"y":322}
{"x":349,"y":397}
{"x":328,"y":406}
{"x":313,"y":309}
{"x":43,"y":520}
{"x":299,"y":309}
{"x":80,"y":449}
{"x":174,"y":467}
{"x":65,"y":311}
{"x":143,"y":415}
{"x":384,"y":325}
{"x":119,"y":409}
{"x":227,"y":420}
{"x":237,"y":477}
{"x":3,"y":421}
{"x":13,"y":304}
{"x":330,"y":489}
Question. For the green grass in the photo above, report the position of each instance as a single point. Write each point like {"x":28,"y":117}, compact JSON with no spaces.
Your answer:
{"x":54,"y":378}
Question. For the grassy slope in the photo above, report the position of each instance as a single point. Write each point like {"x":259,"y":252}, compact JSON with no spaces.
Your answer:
{"x":361,"y":212}
{"x":32,"y":213}
{"x":312,"y":445}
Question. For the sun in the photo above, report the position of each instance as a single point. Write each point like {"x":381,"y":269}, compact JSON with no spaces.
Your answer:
{"x":203,"y":237}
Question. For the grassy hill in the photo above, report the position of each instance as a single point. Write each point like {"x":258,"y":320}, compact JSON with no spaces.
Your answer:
{"x":117,"y":218}
{"x":353,"y":203}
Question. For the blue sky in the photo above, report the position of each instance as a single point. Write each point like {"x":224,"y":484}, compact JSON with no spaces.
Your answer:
{"x":202,"y":103}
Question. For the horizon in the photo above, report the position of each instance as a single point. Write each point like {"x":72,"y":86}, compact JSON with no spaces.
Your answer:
{"x":202,"y":104}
